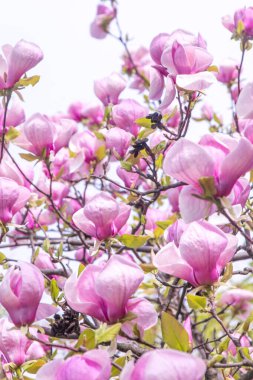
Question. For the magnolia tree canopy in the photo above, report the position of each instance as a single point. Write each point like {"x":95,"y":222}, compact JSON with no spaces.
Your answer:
{"x":135,"y":241}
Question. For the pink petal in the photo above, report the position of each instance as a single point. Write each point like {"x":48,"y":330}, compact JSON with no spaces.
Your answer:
{"x":156,"y":84}
{"x":119,"y":279}
{"x":188,"y":162}
{"x":170,"y":93}
{"x":168,"y":260}
{"x":236,"y":163}
{"x":24,"y":56}
{"x":244,"y":103}
{"x":195,"y":82}
{"x":193,"y":208}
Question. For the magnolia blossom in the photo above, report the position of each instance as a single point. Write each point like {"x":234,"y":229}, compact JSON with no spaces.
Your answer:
{"x":93,"y":365}
{"x":118,"y":141}
{"x":21,"y":291}
{"x":228,"y":72}
{"x":16,"y":347}
{"x":87,"y":143}
{"x":109,"y":88}
{"x":104,"y":17}
{"x":103,"y":291}
{"x":18,"y":60}
{"x":126,"y":113}
{"x":181,"y":60}
{"x":12,"y":198}
{"x":239,"y":298}
{"x":89,"y":113}
{"x":202,"y":254}
{"x":244,"y":103}
{"x":102,"y":217}
{"x":243,"y":16}
{"x":223,"y":161}
{"x":40,"y":134}
{"x":165,"y":365}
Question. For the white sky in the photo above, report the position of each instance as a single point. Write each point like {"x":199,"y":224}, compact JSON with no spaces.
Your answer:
{"x":73,"y":59}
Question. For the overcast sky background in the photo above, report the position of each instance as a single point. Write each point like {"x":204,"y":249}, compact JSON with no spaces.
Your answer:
{"x":72,"y":59}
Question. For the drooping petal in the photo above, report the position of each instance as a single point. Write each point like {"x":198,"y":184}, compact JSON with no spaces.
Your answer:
{"x":195,"y":82}
{"x":170,"y":93}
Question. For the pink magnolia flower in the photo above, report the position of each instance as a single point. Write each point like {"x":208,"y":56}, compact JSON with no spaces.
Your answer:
{"x":165,"y":364}
{"x":118,"y":141}
{"x":86,"y":142}
{"x":102,"y":217}
{"x":203,"y":252}
{"x":224,"y":160}
{"x":228,"y":72}
{"x":244,"y":103}
{"x":37,"y":135}
{"x":93,"y":365}
{"x":126,"y":113}
{"x":244,"y":16}
{"x":12,"y":198}
{"x":21,"y":291}
{"x":16,"y":347}
{"x":103,"y":291}
{"x":15,"y":115}
{"x":182,"y":61}
{"x":109,"y":88}
{"x":89,"y":113}
{"x":104,"y":16}
{"x":18,"y":60}
{"x":40,"y":134}
{"x":239,"y":298}
{"x":131,"y":180}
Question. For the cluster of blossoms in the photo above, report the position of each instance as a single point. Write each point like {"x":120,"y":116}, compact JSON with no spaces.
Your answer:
{"x":131,"y":231}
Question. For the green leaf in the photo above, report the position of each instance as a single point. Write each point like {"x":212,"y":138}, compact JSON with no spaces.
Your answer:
{"x":159,"y":147}
{"x":143,"y":122}
{"x":101,"y":153}
{"x":46,"y":245}
{"x":246,"y":324}
{"x":28,"y":156}
{"x":126,"y":165}
{"x":33,"y":366}
{"x":132,"y":241}
{"x":223,"y":346}
{"x":107,"y":334}
{"x":2,"y":257}
{"x":12,"y":134}
{"x":80,"y":269}
{"x":215,"y":359}
{"x":166,"y":223}
{"x":28,"y":81}
{"x":196,"y":302}
{"x":120,"y":362}
{"x":54,"y":289}
{"x":228,"y":273}
{"x":87,"y":339}
{"x":174,"y":334}
{"x":145,"y":133}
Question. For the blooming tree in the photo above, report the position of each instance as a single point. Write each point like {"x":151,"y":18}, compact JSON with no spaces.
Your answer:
{"x":130,"y":232}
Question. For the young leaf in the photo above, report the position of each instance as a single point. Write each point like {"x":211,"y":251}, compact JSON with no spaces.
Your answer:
{"x":132,"y":241}
{"x":196,"y":302}
{"x":174,"y":334}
